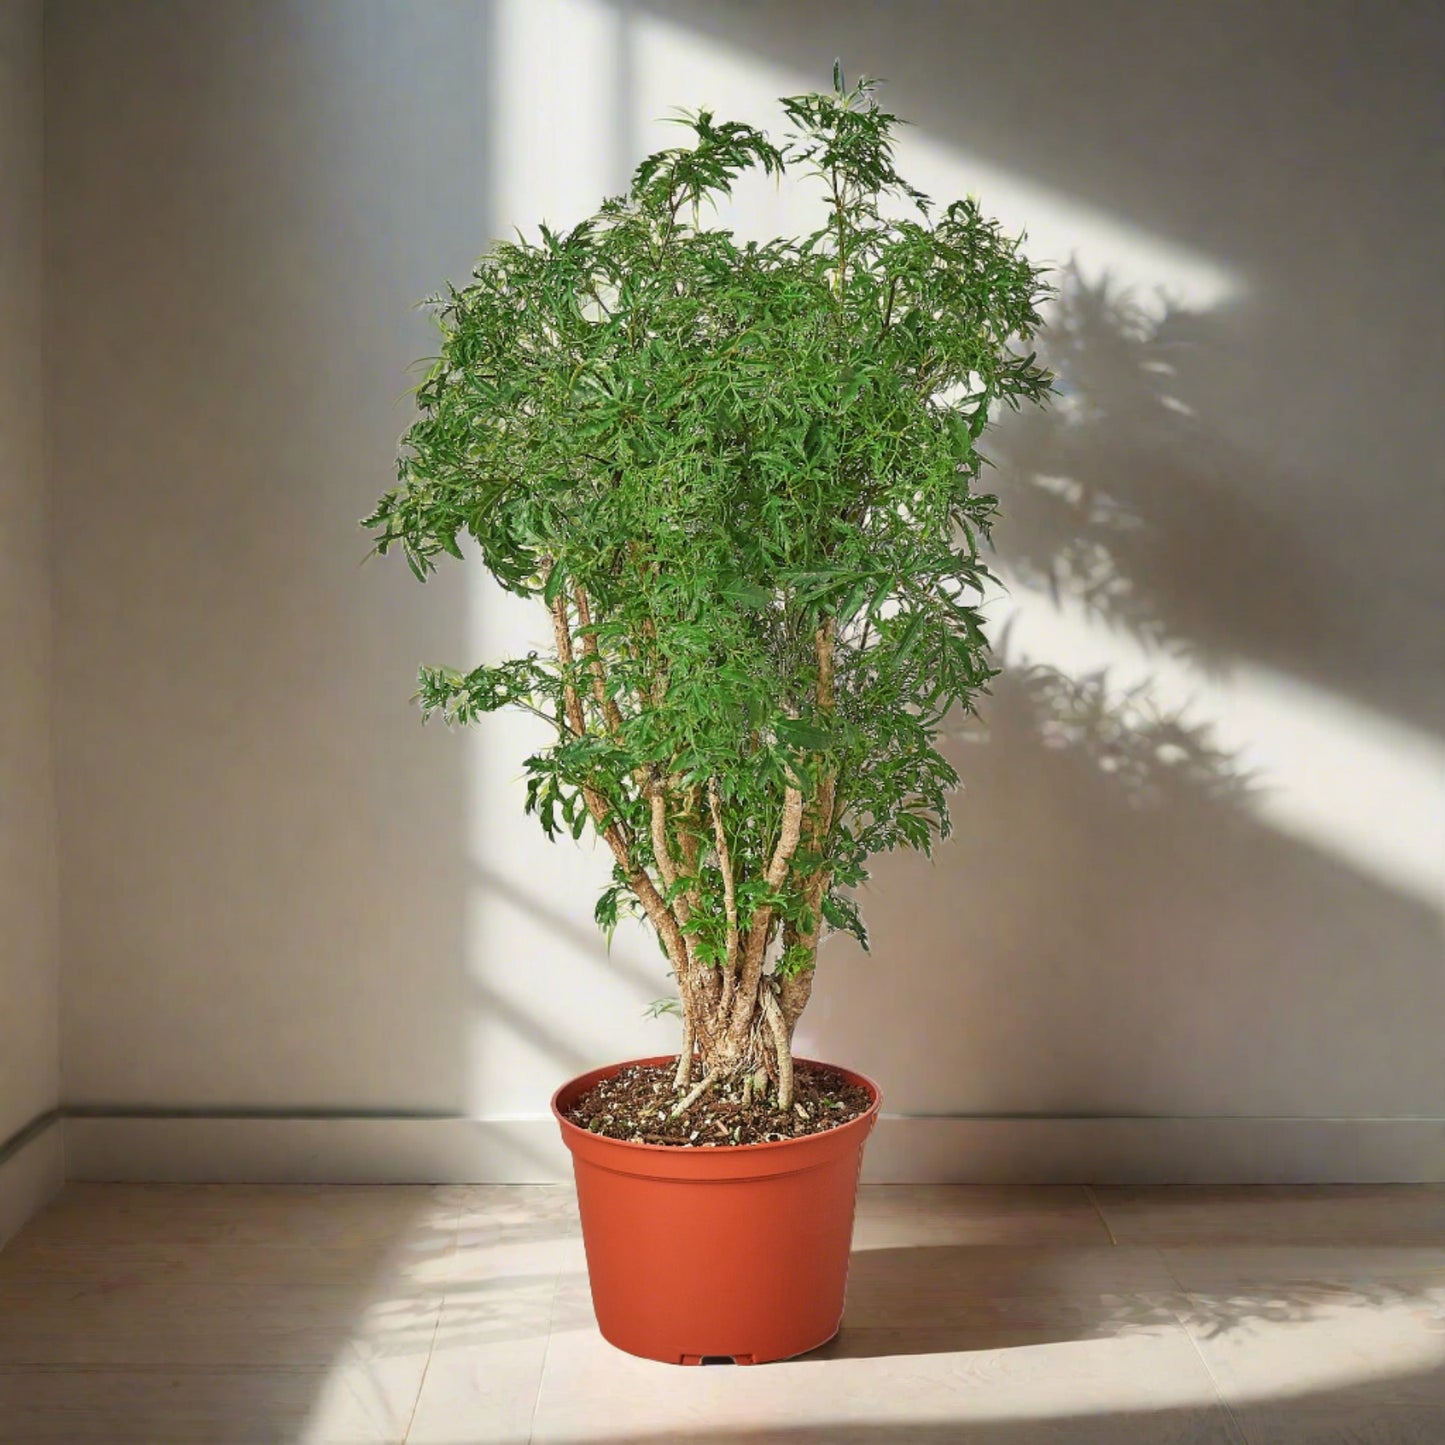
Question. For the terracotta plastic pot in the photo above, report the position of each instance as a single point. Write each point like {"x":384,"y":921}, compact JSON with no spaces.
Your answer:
{"x":737,"y":1253}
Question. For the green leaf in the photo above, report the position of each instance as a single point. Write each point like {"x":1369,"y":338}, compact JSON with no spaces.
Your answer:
{"x":748,"y":594}
{"x":910,"y":637}
{"x":801,"y":734}
{"x":556,"y":582}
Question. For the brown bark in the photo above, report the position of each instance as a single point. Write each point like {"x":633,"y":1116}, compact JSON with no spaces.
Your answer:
{"x":692,"y":979}
{"x":823,"y":641}
{"x":689,"y":829}
{"x":794,"y":991}
{"x":761,"y":929}
{"x":730,"y":898}
{"x":782,"y":1045}
{"x":611,"y":713}
{"x":797,"y":987}
{"x":661,"y":849}
{"x":684,"y":1057}
{"x":707,"y":1082}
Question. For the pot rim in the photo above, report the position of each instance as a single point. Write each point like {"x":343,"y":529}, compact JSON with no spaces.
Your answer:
{"x":864,"y":1120}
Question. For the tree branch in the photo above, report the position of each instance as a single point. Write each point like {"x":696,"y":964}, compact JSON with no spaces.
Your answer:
{"x":888,"y":309}
{"x":611,"y":714}
{"x":730,"y":893}
{"x":683,"y":1076}
{"x":797,"y":987}
{"x":571,"y":703}
{"x":773,"y":1017}
{"x":788,"y":835}
{"x":661,"y":848}
{"x":762,"y":923}
{"x":657,"y":911}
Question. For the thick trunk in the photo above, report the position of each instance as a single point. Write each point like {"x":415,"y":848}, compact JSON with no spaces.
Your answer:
{"x":750,"y":1039}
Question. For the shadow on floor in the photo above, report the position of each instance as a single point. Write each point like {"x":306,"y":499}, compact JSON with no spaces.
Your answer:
{"x":296,"y":1316}
{"x":962,"y":1299}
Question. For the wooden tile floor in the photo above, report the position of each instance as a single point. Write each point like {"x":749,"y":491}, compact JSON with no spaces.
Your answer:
{"x":133,"y":1315}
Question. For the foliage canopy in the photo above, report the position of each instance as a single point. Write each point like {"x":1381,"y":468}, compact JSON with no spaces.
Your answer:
{"x":744,"y":479}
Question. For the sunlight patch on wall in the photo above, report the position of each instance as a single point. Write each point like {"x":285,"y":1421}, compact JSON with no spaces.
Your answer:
{"x":545,"y":1004}
{"x":675,"y":65}
{"x":550,"y":999}
{"x":557,"y":121}
{"x":1331,"y":772}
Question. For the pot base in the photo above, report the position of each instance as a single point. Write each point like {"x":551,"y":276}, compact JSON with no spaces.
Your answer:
{"x":745,"y":1359}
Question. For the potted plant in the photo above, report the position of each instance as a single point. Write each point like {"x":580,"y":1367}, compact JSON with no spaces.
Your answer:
{"x":741,"y":479}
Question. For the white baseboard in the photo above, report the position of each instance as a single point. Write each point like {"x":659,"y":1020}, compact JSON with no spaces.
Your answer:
{"x":902,"y":1150}
{"x":1157,"y":1151}
{"x":317,"y":1151}
{"x":30,"y":1177}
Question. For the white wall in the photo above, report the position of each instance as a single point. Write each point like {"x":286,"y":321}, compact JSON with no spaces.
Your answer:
{"x":263,"y":861}
{"x":280,"y":893}
{"x":29,"y":1046}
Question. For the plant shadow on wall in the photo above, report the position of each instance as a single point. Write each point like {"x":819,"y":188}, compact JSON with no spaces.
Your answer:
{"x":550,"y":1037}
{"x":1117,"y":913}
{"x":1123,"y":502}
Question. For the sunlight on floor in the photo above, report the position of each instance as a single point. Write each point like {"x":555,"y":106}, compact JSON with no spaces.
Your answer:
{"x":460,"y":1315}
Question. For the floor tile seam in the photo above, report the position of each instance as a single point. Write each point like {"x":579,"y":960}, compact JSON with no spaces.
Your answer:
{"x":1099,"y":1210}
{"x":546,"y":1353}
{"x":456,"y":1245}
{"x":425,"y":1370}
{"x":1241,"y":1434}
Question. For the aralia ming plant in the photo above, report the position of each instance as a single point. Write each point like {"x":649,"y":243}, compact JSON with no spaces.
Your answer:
{"x":741,"y":478}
